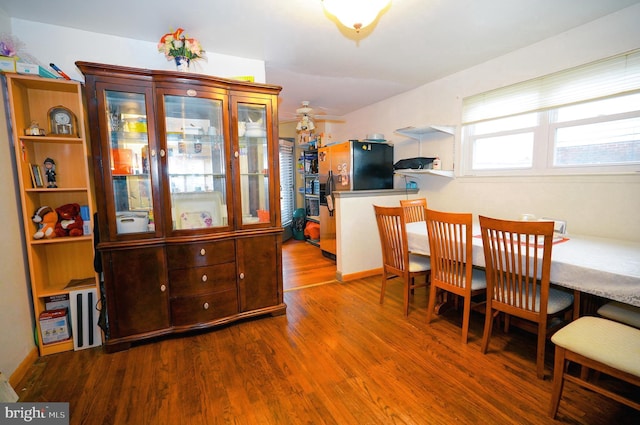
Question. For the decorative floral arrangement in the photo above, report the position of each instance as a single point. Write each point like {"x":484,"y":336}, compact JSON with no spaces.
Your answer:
{"x":6,"y":49}
{"x":9,"y":45}
{"x":176,"y":44}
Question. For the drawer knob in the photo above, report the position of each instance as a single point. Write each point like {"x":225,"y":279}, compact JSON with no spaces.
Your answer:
{"x":203,"y":251}
{"x":241,"y":275}
{"x":204,"y":278}
{"x":205,"y":306}
{"x":163,"y":288}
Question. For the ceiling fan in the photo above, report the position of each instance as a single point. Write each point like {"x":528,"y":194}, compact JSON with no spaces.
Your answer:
{"x":306,"y":113}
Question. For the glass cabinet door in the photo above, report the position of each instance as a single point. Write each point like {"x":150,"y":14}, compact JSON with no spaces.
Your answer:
{"x":253,"y":150}
{"x":196,"y":166}
{"x":129,"y":161}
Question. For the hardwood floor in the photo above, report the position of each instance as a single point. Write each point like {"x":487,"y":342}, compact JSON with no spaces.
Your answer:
{"x":336,"y":357}
{"x":303,"y":264}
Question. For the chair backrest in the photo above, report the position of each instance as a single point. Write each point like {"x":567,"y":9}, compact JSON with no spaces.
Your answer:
{"x":393,"y":238}
{"x":450,"y":246}
{"x":518,"y":263}
{"x":413,"y":209}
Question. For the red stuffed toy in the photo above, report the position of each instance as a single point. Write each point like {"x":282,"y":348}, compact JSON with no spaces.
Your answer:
{"x":69,"y":221}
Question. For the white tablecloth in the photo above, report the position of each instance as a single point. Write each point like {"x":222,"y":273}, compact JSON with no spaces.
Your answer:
{"x":608,"y":268}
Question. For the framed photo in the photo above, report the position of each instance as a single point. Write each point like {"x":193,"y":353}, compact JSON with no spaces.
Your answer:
{"x":36,"y":175}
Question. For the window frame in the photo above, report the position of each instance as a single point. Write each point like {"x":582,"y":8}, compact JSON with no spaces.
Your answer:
{"x":287,"y":178}
{"x":541,"y":98}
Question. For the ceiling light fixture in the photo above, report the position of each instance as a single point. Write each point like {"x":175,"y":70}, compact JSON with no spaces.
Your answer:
{"x":355,"y":14}
{"x":305,"y":123}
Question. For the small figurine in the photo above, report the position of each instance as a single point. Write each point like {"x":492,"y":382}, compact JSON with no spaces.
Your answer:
{"x":50,"y":171}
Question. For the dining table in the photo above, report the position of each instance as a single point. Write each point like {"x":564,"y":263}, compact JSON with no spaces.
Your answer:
{"x":608,"y":268}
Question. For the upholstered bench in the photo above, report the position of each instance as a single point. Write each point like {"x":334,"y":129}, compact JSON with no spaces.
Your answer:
{"x":621,"y":312}
{"x":600,"y":344}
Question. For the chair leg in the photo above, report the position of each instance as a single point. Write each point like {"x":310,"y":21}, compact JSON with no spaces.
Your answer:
{"x":576,"y":304}
{"x":558,"y":380}
{"x":433,"y":293}
{"x":584,"y":373}
{"x":488,"y":325}
{"x":407,"y":291}
{"x":542,"y":340}
{"x":466,"y":314}
{"x":384,"y":286}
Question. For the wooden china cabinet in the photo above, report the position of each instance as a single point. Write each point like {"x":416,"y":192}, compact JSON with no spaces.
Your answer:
{"x":186,"y":175}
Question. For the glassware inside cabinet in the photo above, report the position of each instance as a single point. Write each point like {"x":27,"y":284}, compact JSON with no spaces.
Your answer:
{"x":196,"y":162}
{"x":129,"y":161}
{"x":254,"y":162}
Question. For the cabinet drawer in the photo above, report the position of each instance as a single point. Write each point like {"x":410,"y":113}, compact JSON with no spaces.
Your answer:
{"x":204,"y":308}
{"x":202,"y":280}
{"x":200,"y":254}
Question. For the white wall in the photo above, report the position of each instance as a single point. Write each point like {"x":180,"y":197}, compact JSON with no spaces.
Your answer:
{"x":16,"y":323}
{"x":64,"y":46}
{"x":606,"y":206}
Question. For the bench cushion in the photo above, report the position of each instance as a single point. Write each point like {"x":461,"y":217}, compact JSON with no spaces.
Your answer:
{"x":602,"y":340}
{"x":620,"y":312}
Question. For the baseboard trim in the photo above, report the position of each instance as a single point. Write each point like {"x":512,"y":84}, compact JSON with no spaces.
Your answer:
{"x":359,"y":275}
{"x":22,"y":369}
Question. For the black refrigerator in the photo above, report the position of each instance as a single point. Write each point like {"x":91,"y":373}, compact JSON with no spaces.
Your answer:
{"x":351,"y":165}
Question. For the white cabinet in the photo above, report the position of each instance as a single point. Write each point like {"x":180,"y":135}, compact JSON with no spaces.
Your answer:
{"x":420,"y":134}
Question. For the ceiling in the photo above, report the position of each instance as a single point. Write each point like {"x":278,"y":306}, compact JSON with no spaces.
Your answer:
{"x":313,"y":58}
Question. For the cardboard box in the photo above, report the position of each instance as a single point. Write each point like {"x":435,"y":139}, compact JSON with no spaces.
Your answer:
{"x":54,"y":326}
{"x":8,"y":64}
{"x":33,"y":69}
{"x":86,"y":220}
{"x":27,"y":68}
{"x":56,"y":302}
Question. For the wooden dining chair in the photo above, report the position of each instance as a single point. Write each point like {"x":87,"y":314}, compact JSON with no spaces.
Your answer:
{"x":396,"y":259}
{"x":450,"y":245}
{"x":600,"y":344}
{"x":518,"y":264}
{"x":413,"y":209}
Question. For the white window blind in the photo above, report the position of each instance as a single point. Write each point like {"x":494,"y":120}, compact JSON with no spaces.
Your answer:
{"x":607,"y":77}
{"x":286,"y":181}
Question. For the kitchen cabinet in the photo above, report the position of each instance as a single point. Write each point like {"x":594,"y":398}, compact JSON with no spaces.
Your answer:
{"x":257,"y":262}
{"x":187,"y":169}
{"x":137,"y":293}
{"x":57,"y":265}
{"x":420,"y":134}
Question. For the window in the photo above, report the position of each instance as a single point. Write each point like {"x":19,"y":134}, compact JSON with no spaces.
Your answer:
{"x":585,"y":120}
{"x":286,"y":182}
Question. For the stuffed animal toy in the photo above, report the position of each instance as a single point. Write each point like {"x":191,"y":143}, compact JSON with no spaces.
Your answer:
{"x":69,"y":221}
{"x":46,"y":219}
